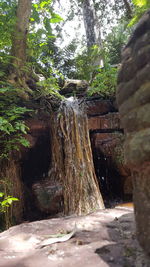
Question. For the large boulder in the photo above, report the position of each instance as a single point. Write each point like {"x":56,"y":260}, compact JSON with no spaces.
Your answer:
{"x":133,"y":97}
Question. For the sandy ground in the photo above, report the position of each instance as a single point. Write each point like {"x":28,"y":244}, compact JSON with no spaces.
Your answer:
{"x":103,"y":238}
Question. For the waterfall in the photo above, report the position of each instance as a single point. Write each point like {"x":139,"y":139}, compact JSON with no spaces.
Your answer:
{"x":72,"y":162}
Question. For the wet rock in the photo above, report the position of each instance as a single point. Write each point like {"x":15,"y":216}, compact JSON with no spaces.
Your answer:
{"x":133,"y":97}
{"x":108,"y":121}
{"x":48,"y":196}
{"x":99,"y":107}
{"x":107,"y":140}
{"x":111,"y":170}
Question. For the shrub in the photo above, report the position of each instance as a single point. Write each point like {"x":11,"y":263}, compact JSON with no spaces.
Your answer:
{"x":104,"y":83}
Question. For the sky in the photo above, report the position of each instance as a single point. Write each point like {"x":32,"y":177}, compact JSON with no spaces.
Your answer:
{"x":73,"y":29}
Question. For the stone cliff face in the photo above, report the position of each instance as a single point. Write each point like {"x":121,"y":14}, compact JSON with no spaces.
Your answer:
{"x":133,"y":97}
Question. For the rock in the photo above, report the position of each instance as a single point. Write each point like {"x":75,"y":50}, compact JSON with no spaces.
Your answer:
{"x":133,"y":96}
{"x":48,"y":196}
{"x":112,"y":173}
{"x":98,"y":106}
{"x":100,"y":240}
{"x":74,"y":88}
{"x":108,"y":121}
{"x":107,"y":140}
{"x":128,"y":186}
{"x":37,"y":126}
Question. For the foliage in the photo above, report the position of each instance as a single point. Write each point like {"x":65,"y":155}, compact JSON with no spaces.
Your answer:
{"x":7,"y":22}
{"x":41,"y":33}
{"x":86,"y":62}
{"x":42,"y":16}
{"x":66,"y":60}
{"x":140,"y":6}
{"x":6,"y":202}
{"x":115,"y":41}
{"x":104,"y":83}
{"x":12,"y":126}
{"x":47,"y":87}
{"x":40,"y":37}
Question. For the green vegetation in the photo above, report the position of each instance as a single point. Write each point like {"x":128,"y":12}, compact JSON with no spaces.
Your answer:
{"x":140,"y":6}
{"x":104,"y":83}
{"x":6,"y":202}
{"x":12,"y":125}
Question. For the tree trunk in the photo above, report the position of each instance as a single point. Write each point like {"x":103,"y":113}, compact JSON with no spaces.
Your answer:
{"x":128,"y":9}
{"x":92,"y":29}
{"x":72,"y":161}
{"x":19,"y":41}
{"x":89,"y":22}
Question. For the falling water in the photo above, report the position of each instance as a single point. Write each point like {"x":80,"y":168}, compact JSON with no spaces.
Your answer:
{"x":72,"y":162}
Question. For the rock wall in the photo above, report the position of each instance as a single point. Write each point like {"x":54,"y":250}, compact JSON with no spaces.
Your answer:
{"x":133,"y":97}
{"x":41,"y":196}
{"x":107,"y":139}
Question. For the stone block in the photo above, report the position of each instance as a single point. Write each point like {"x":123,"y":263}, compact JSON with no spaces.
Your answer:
{"x":99,"y":107}
{"x":108,"y":121}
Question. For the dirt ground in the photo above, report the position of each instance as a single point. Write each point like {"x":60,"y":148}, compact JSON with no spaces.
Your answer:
{"x":103,"y":238}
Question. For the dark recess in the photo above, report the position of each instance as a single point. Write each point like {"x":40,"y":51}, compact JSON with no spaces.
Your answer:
{"x":109,"y":179}
{"x":35,"y":166}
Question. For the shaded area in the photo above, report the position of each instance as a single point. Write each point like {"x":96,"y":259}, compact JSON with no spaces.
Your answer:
{"x":112,"y":174}
{"x":36,"y":162}
{"x":34,"y":168}
{"x":107,"y":139}
{"x":108,"y":176}
{"x":124,"y":250}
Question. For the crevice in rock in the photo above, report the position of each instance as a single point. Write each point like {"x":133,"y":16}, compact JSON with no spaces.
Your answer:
{"x":106,"y":131}
{"x":101,"y":114}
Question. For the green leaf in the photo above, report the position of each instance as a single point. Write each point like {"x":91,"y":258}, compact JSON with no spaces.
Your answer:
{"x":43,"y":4}
{"x":55,"y":18}
{"x":1,"y":194}
{"x":14,"y":199}
{"x":140,"y":3}
{"x":133,"y":21}
{"x":24,"y":142}
{"x":32,"y":19}
{"x":42,"y":44}
{"x":4,"y":90}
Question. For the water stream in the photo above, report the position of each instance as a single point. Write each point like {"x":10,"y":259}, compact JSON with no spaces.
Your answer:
{"x":72,"y":161}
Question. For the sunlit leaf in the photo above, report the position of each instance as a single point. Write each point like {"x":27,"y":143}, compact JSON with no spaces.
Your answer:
{"x":1,"y":194}
{"x":139,"y":3}
{"x":55,"y":18}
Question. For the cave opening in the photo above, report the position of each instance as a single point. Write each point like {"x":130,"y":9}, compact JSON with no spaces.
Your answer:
{"x":35,"y":166}
{"x":111,"y":182}
{"x":109,"y":179}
